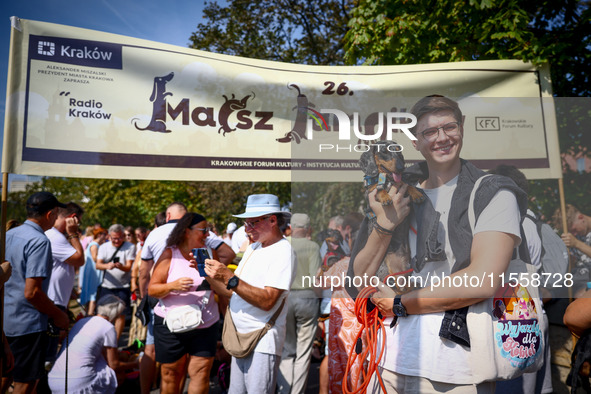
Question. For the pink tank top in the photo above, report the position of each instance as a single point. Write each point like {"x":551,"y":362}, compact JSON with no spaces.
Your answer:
{"x":180,"y":268}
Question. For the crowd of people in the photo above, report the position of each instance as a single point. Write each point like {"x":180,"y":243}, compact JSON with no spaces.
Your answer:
{"x":257,"y":292}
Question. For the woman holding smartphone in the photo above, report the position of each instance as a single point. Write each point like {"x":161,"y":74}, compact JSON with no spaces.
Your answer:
{"x":176,"y":283}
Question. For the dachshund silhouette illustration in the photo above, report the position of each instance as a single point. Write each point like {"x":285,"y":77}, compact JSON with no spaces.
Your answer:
{"x":299,"y":128}
{"x":158,"y":99}
{"x":226,"y":110}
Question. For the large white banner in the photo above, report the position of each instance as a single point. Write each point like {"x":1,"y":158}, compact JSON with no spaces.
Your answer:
{"x":83,"y":103}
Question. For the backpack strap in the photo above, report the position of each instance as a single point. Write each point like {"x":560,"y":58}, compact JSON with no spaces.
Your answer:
{"x":471,"y":213}
{"x":538,"y":224}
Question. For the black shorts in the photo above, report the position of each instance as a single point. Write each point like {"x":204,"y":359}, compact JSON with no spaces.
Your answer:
{"x":170,"y":347}
{"x":29,"y":356}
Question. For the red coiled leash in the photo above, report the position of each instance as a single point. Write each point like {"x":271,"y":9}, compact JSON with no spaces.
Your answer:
{"x":371,"y":322}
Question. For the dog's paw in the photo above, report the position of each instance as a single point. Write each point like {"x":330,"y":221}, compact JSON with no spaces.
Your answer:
{"x":416,"y":196}
{"x":383,"y":197}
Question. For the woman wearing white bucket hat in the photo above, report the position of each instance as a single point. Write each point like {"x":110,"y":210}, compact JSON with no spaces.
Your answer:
{"x":257,"y":289}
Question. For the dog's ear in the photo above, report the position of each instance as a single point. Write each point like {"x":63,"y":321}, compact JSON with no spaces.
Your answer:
{"x":399,"y":162}
{"x":368,"y":164}
{"x":155,"y":89}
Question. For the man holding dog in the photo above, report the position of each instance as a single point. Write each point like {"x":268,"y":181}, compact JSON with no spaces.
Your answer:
{"x":258,"y":288}
{"x":421,"y":355}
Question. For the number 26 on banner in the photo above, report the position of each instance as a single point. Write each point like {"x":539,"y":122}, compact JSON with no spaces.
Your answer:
{"x":341,"y":90}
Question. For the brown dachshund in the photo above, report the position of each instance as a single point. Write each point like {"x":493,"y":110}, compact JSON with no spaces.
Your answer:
{"x":383,"y":165}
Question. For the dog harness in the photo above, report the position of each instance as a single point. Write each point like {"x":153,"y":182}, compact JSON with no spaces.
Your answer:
{"x":381,"y":179}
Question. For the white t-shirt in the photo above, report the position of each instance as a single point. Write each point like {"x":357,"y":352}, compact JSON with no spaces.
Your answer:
{"x":63,"y":274}
{"x":156,"y":242}
{"x":238,"y":238}
{"x":116,"y":278}
{"x":414,"y":346}
{"x":86,"y":339}
{"x":213,"y":241}
{"x":272,"y":266}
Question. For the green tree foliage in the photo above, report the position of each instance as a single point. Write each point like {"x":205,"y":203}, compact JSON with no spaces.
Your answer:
{"x":135,"y":202}
{"x":321,"y":201}
{"x":557,"y":32}
{"x":545,"y":195}
{"x":292,"y":31}
{"x":419,"y":31}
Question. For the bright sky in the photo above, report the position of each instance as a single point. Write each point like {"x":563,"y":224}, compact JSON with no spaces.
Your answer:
{"x":170,"y":22}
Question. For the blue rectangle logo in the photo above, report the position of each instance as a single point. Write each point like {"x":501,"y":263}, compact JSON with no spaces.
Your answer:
{"x":80,"y":52}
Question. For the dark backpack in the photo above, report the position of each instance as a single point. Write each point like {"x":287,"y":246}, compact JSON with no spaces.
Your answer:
{"x":554,"y":255}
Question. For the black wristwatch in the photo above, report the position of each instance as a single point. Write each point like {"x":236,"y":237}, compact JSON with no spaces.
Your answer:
{"x":233,"y":282}
{"x":398,"y":309}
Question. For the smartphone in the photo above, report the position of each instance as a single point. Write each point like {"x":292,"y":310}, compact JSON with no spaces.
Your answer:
{"x":115,"y":260}
{"x":200,"y":255}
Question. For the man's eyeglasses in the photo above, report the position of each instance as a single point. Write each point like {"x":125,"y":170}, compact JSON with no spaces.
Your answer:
{"x":451,"y":129}
{"x":253,"y":223}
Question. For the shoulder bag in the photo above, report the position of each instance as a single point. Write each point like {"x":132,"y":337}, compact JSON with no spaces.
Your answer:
{"x":184,"y":318}
{"x":239,"y":344}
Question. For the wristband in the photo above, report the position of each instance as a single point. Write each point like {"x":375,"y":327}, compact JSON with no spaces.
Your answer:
{"x":382,"y":230}
{"x":73,"y":236}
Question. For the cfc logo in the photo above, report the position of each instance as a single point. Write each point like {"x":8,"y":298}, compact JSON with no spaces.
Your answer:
{"x":488,"y":123}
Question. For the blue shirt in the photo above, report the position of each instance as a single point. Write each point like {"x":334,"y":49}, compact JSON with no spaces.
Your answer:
{"x":29,"y":252}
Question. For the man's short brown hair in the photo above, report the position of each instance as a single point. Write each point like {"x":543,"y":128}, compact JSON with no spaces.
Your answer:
{"x":435,"y":103}
{"x":72,"y":208}
{"x":571,"y":215}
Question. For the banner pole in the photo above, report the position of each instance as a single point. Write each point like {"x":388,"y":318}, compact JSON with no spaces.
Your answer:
{"x":564,"y":227}
{"x":3,"y":215}
{"x":3,"y":206}
{"x":565,"y":230}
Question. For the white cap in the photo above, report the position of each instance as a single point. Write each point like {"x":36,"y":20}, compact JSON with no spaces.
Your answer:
{"x":231,"y":228}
